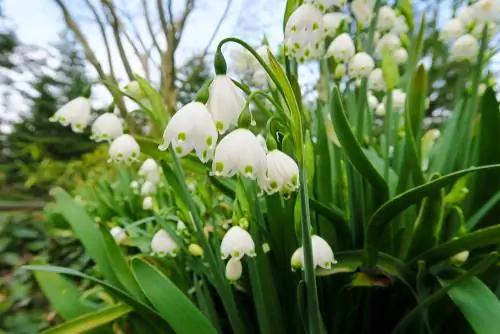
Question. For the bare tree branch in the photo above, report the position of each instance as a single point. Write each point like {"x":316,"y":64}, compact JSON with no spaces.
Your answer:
{"x":188,"y":8}
{"x":163,"y":20}
{"x":115,"y":24}
{"x":149,"y":25}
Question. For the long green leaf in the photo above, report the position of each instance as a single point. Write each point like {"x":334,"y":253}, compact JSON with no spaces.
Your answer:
{"x":86,"y":322}
{"x":173,"y":305}
{"x":478,"y":304}
{"x":477,"y":269}
{"x":353,"y":149}
{"x":87,"y":232}
{"x":381,"y":219}
{"x":477,"y":239}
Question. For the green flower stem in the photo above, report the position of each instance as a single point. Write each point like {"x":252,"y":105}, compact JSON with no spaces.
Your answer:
{"x":263,"y":94}
{"x":257,"y":56}
{"x":388,"y":134}
{"x":360,"y":119}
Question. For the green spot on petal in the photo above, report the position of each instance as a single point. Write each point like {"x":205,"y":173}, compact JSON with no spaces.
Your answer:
{"x":248,"y":169}
{"x":219,"y":125}
{"x":210,"y":141}
{"x":178,"y":149}
{"x":181,"y":136}
{"x":219,"y":167}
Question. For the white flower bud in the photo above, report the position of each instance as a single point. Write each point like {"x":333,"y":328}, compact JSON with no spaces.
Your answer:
{"x":401,"y":56}
{"x":465,"y":48}
{"x":481,"y":89}
{"x":390,"y":42}
{"x":400,"y":26}
{"x":229,"y":160}
{"x":459,"y":258}
{"x":340,"y":71}
{"x":75,"y":113}
{"x":380,"y":111}
{"x":234,"y":269}
{"x":376,"y":80}
{"x":487,"y":11}
{"x":191,"y":128}
{"x":148,"y":188}
{"x":297,"y":261}
{"x":342,"y":48}
{"x":386,"y":18}
{"x":361,"y":65}
{"x":225,"y":102}
{"x":118,"y":234}
{"x":236,"y":243}
{"x":150,"y":171}
{"x":282,"y":174}
{"x":180,"y":226}
{"x":332,"y":22}
{"x":304,"y":33}
{"x":321,"y":251}
{"x":106,"y":127}
{"x":372,"y":101}
{"x":134,"y":185}
{"x":363,"y":11}
{"x":195,"y":250}
{"x":147,"y":203}
{"x":162,"y":244}
{"x":452,"y":30}
{"x":398,"y":99}
{"x":134,"y":90}
{"x":124,"y":149}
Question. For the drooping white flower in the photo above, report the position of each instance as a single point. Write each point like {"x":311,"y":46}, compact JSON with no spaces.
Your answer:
{"x":342,"y":48}
{"x":386,"y":18}
{"x":148,"y":188}
{"x":322,"y":254}
{"x":106,"y":127}
{"x":401,"y":56}
{"x":400,"y":26}
{"x":150,"y":171}
{"x":239,"y":152}
{"x":477,"y":32}
{"x":372,"y":101}
{"x":465,"y":48}
{"x":380,"y":111}
{"x":282,"y":174}
{"x":487,"y":10}
{"x":124,"y":149}
{"x":75,"y":113}
{"x":134,"y":90}
{"x":225,"y":102}
{"x":134,"y":184}
{"x":304,"y":33}
{"x":332,"y":21}
{"x":363,"y":11}
{"x":468,"y":16}
{"x":361,"y":65}
{"x":389,"y":42}
{"x":234,"y":269}
{"x":262,"y":142}
{"x":118,"y":234}
{"x":147,"y":203}
{"x":163,"y":244}
{"x":191,"y":128}
{"x":323,"y":5}
{"x":398,"y":99}
{"x":376,"y":80}
{"x":452,"y":30}
{"x":236,"y":243}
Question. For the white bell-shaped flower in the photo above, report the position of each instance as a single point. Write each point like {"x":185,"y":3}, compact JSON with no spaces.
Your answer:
{"x":400,"y":26}
{"x":234,"y":269}
{"x":342,"y":48}
{"x":468,"y":16}
{"x":477,"y":32}
{"x":162,"y":244}
{"x":134,"y":90}
{"x":361,"y":65}
{"x":124,"y":149}
{"x":322,"y":255}
{"x":363,"y":11}
{"x":150,"y":171}
{"x":239,"y":152}
{"x":191,"y":128}
{"x":75,"y":113}
{"x":398,"y":99}
{"x":401,"y":56}
{"x":134,"y":184}
{"x":147,"y":203}
{"x":118,"y":234}
{"x":390,"y":42}
{"x":180,"y":226}
{"x":236,"y":243}
{"x":465,"y":48}
{"x":148,"y":188}
{"x":372,"y":101}
{"x":332,"y":21}
{"x":225,"y":102}
{"x":452,"y":30}
{"x":323,"y":5}
{"x":304,"y":33}
{"x":106,"y":127}
{"x":282,"y":174}
{"x":380,"y":111}
{"x":376,"y":80}
{"x":386,"y":18}
{"x":487,"y":11}
{"x":262,"y":142}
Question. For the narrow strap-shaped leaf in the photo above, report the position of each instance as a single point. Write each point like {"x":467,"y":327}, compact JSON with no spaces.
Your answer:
{"x":86,"y":322}
{"x":475,"y":270}
{"x":381,"y":219}
{"x":478,"y":304}
{"x":182,"y":315}
{"x":353,"y":149}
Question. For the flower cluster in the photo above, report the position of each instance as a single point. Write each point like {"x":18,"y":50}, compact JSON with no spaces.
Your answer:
{"x":149,"y":182}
